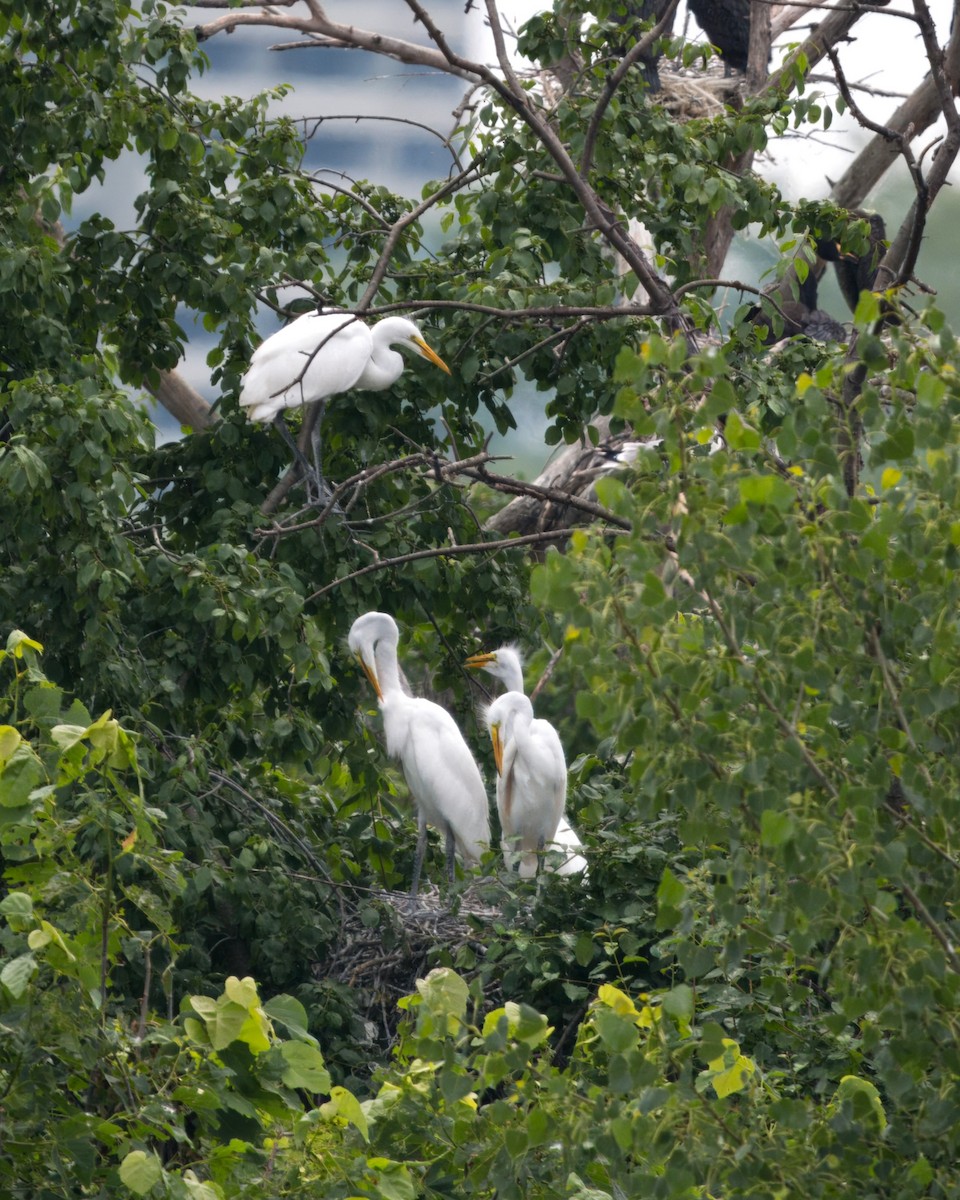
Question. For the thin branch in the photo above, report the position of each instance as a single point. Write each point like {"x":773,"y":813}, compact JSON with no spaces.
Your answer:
{"x":607,"y":223}
{"x":515,"y":487}
{"x":787,"y":728}
{"x":444,"y":471}
{"x":926,"y":918}
{"x":278,"y":825}
{"x":615,"y":78}
{"x":468,"y":175}
{"x":530,"y":539}
{"x":325,"y":32}
{"x":891,"y":689}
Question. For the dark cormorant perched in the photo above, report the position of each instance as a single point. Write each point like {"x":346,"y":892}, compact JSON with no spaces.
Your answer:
{"x":629,"y":16}
{"x":857,"y":273}
{"x":799,"y":315}
{"x":727,"y":24}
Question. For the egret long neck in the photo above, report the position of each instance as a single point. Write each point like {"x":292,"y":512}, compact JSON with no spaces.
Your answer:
{"x":388,"y":670}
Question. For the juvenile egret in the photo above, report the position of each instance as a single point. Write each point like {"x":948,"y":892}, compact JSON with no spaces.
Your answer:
{"x":531,"y":779}
{"x":440,"y":771}
{"x":506,"y":665}
{"x":319,"y":355}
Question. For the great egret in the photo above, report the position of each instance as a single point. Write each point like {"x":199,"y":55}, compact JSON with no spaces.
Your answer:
{"x":440,"y":771}
{"x":531,"y":779}
{"x":506,"y":665}
{"x":319,"y":355}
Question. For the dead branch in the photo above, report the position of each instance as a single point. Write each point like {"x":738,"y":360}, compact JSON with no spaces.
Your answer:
{"x":323,"y":32}
{"x":514,"y":543}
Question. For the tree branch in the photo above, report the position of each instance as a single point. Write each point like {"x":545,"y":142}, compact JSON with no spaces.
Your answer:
{"x":181,"y":400}
{"x":530,"y":539}
{"x":324,"y":32}
{"x":615,"y":78}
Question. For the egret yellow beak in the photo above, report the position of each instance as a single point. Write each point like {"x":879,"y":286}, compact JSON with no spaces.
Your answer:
{"x":480,"y":660}
{"x":497,"y":747}
{"x":429,"y":354}
{"x":371,"y":675}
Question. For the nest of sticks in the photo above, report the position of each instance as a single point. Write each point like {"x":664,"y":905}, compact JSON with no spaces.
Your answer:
{"x":387,"y":942}
{"x":693,"y":92}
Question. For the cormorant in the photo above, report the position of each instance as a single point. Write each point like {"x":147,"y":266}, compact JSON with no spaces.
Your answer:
{"x":857,"y":273}
{"x":727,"y":24}
{"x":631,"y":15}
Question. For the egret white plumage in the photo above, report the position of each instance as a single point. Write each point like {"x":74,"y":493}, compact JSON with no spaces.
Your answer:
{"x":440,"y":771}
{"x":506,"y":665}
{"x":320,"y":355}
{"x":531,"y":779}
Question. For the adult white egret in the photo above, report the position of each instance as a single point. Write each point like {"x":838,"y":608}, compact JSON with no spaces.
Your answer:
{"x":506,"y":665}
{"x":531,"y":779}
{"x":440,"y":771}
{"x":319,"y":355}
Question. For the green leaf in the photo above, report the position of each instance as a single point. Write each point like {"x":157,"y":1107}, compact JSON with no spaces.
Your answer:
{"x":17,"y":642}
{"x":304,"y":1067}
{"x":863,"y":1098}
{"x":343,"y":1105}
{"x":776,"y":827}
{"x":289,"y":1012}
{"x":10,"y":739}
{"x":19,"y":777}
{"x":17,"y":973}
{"x":679,"y":1003}
{"x":140,"y":1171}
{"x":739,"y":435}
{"x":392,"y":1180}
{"x":731,"y":1072}
{"x":445,"y":996}
{"x":767,"y":490}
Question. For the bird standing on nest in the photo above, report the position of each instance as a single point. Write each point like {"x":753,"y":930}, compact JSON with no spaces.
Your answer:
{"x":531,"y":779}
{"x":318,"y":356}
{"x":440,"y":771}
{"x":506,"y":665}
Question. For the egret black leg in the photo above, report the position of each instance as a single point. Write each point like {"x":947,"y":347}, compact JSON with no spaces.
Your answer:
{"x":300,"y":458}
{"x":316,"y":445}
{"x":318,"y":492}
{"x":451,"y":861}
{"x":418,"y":857}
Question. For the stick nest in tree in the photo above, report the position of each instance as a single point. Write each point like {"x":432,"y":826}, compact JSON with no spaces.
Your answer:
{"x":387,"y":943}
{"x":689,"y":93}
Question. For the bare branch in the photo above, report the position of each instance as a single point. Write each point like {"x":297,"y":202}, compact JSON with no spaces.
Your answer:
{"x":514,"y":543}
{"x":926,"y":918}
{"x":181,"y":400}
{"x":918,"y":113}
{"x":516,"y":487}
{"x":758,"y":54}
{"x":323,"y":32}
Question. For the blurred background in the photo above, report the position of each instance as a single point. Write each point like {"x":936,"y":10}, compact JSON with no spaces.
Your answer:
{"x":367,"y":117}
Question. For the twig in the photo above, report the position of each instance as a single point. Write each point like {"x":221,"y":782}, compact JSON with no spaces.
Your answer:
{"x":888,"y":683}
{"x":926,"y":918}
{"x":368,"y":475}
{"x":547,"y":673}
{"x":615,"y":78}
{"x":530,"y":539}
{"x":279,"y":826}
{"x":468,"y":175}
{"x":515,"y":487}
